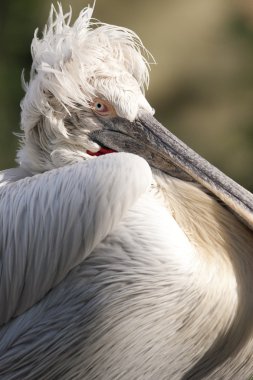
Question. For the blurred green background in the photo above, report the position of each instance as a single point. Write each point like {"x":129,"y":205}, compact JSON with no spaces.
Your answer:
{"x":201,"y":87}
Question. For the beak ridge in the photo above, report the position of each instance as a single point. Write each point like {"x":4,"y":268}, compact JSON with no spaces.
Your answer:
{"x":163,"y":150}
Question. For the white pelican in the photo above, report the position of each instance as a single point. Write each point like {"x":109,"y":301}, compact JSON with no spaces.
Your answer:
{"x":133,"y":265}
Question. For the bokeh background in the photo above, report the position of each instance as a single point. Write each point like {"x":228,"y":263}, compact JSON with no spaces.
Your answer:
{"x":201,"y":87}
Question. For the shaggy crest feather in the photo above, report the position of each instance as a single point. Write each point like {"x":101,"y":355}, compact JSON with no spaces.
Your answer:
{"x":71,"y":65}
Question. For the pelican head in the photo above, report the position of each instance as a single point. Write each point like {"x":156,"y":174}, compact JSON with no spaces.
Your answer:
{"x":79,"y":73}
{"x":86,"y":97}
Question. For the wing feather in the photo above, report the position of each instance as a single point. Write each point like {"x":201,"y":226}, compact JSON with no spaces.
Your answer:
{"x":51,"y":222}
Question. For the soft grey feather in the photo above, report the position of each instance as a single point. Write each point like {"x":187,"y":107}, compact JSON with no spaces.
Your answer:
{"x":64,"y":214}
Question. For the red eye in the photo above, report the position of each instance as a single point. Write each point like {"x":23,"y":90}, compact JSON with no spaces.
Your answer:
{"x":100,"y":107}
{"x":103,"y":108}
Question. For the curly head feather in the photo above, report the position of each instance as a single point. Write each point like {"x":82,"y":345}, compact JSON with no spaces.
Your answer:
{"x":71,"y":66}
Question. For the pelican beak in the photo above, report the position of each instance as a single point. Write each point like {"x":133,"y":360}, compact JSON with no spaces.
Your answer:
{"x":146,"y":137}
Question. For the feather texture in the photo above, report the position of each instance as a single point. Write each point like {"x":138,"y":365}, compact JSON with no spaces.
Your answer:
{"x":71,"y":66}
{"x":74,"y":208}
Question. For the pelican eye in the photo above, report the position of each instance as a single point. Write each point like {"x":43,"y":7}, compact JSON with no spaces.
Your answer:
{"x":99,"y":106}
{"x":103,"y":107}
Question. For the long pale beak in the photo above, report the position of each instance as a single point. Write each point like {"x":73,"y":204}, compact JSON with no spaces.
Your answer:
{"x":146,"y":137}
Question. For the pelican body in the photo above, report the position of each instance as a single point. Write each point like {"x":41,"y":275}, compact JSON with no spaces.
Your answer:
{"x":124,"y":254}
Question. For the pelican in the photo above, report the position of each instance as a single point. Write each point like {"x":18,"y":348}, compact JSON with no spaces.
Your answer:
{"x":124,"y":254}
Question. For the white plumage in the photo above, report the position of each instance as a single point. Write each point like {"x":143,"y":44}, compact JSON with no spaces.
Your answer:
{"x":111,"y":269}
{"x":72,"y":65}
